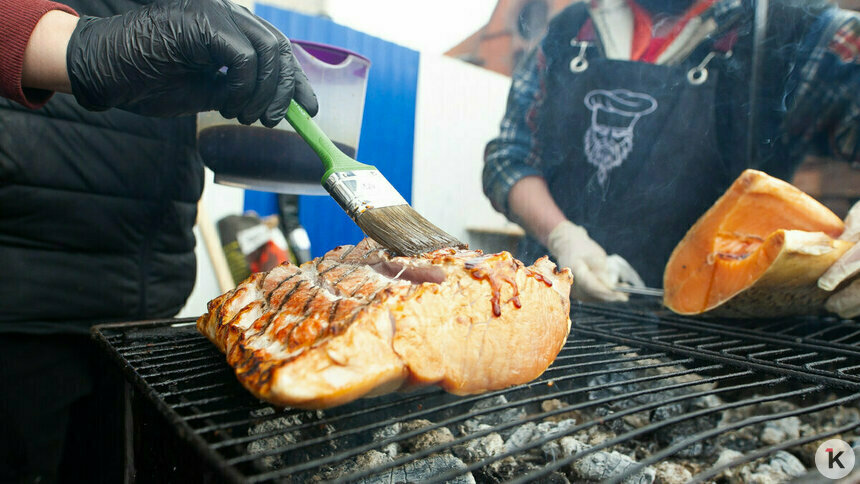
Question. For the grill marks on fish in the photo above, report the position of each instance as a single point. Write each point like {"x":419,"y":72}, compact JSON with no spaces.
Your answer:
{"x":279,"y":318}
{"x":305,"y":306}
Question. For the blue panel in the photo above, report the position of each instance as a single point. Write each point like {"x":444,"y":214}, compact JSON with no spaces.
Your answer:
{"x":262,"y":203}
{"x":387,"y":130}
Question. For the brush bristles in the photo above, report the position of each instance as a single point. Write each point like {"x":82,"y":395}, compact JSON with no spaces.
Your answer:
{"x":399,"y":228}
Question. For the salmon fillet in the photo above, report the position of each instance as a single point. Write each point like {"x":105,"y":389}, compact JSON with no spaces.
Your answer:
{"x":360,"y":322}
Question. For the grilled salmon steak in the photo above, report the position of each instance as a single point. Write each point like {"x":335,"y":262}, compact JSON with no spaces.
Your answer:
{"x":360,"y":322}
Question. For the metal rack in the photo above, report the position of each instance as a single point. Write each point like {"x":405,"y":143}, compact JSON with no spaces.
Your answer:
{"x":619,"y":361}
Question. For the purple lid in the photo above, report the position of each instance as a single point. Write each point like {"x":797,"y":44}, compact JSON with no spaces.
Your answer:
{"x":328,"y":53}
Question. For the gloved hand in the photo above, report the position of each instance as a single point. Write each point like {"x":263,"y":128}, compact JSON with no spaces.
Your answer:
{"x":166,"y":59}
{"x":846,"y":302}
{"x":594,"y":273}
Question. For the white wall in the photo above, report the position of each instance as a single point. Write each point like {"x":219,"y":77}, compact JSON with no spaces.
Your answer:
{"x":219,"y":201}
{"x":458,"y":110}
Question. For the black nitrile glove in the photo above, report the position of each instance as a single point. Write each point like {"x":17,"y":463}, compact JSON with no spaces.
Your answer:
{"x":167,"y":59}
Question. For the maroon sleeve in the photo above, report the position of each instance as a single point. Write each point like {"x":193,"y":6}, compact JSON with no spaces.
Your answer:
{"x":18,"y":18}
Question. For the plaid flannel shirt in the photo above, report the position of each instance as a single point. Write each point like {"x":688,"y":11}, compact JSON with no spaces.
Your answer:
{"x":824,"y":87}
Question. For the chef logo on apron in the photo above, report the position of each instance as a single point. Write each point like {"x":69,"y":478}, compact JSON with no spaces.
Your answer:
{"x":609,"y":139}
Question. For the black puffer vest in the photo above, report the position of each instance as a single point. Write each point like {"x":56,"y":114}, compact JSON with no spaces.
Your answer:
{"x":96,"y":212}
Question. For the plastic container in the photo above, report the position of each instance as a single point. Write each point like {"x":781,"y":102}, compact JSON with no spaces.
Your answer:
{"x":277,"y":159}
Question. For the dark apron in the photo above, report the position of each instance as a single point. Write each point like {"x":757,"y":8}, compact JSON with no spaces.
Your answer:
{"x":630,"y":151}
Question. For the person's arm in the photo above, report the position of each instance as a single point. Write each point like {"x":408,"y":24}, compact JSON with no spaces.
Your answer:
{"x":45,"y":57}
{"x":509,"y":157}
{"x":163,"y":59}
{"x":822,"y":96}
{"x":20,"y":20}
{"x":531,"y":202}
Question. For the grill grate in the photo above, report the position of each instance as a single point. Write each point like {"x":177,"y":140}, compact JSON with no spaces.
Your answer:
{"x":633,"y":383}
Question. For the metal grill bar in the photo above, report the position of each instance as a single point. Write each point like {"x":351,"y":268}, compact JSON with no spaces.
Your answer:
{"x":450,"y":475}
{"x":675,"y":420}
{"x":429,"y":411}
{"x":127,"y":350}
{"x":758,"y":454}
{"x":615,"y":416}
{"x":834,"y":379}
{"x":203,"y":357}
{"x":186,"y":391}
{"x":168,"y":352}
{"x":627,"y":352}
{"x":764,"y":333}
{"x":377,"y":408}
{"x":328,"y":421}
{"x":736,"y":425}
{"x":451,"y":421}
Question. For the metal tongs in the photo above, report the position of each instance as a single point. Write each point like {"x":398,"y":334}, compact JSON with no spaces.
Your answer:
{"x":639,"y":291}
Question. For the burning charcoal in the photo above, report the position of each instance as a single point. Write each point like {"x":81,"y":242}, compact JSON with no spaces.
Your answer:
{"x":522,"y":435}
{"x":672,"y":473}
{"x":823,"y":421}
{"x":555,"y":428}
{"x":671,"y":434}
{"x":423,"y":470}
{"x":551,"y":404}
{"x":618,"y":425}
{"x":781,"y":430}
{"x":275,"y":441}
{"x":481,"y":448}
{"x":555,"y":404}
{"x":726,"y":456}
{"x":510,"y":468}
{"x":594,"y":435}
{"x":387,"y":432}
{"x":529,"y":432}
{"x":428,"y":439}
{"x":607,"y":465}
{"x":602,"y":465}
{"x":263,"y":412}
{"x":367,"y":460}
{"x":482,"y":422}
{"x":624,"y":388}
{"x":552,"y":478}
{"x":415,"y":471}
{"x":503,"y":470}
{"x":780,"y":467}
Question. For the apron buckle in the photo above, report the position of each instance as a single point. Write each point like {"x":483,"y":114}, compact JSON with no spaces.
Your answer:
{"x":579,"y":63}
{"x":699,"y":75}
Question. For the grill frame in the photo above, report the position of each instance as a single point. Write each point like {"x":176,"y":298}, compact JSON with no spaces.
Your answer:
{"x":183,"y":429}
{"x":590,"y":332}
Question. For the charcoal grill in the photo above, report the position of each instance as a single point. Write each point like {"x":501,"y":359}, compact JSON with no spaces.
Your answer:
{"x":636,"y":392}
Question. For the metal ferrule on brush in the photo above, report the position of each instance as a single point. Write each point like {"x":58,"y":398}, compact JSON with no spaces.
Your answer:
{"x":360,"y":190}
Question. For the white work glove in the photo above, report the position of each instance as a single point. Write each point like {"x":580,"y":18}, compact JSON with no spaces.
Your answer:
{"x":594,"y":274}
{"x":846,"y":302}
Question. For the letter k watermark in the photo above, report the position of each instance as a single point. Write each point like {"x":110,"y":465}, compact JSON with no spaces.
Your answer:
{"x":834,"y":459}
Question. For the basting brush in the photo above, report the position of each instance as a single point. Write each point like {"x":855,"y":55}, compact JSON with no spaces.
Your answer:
{"x":367,"y":197}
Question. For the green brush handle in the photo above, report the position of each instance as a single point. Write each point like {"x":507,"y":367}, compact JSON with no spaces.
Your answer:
{"x":333,"y":159}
